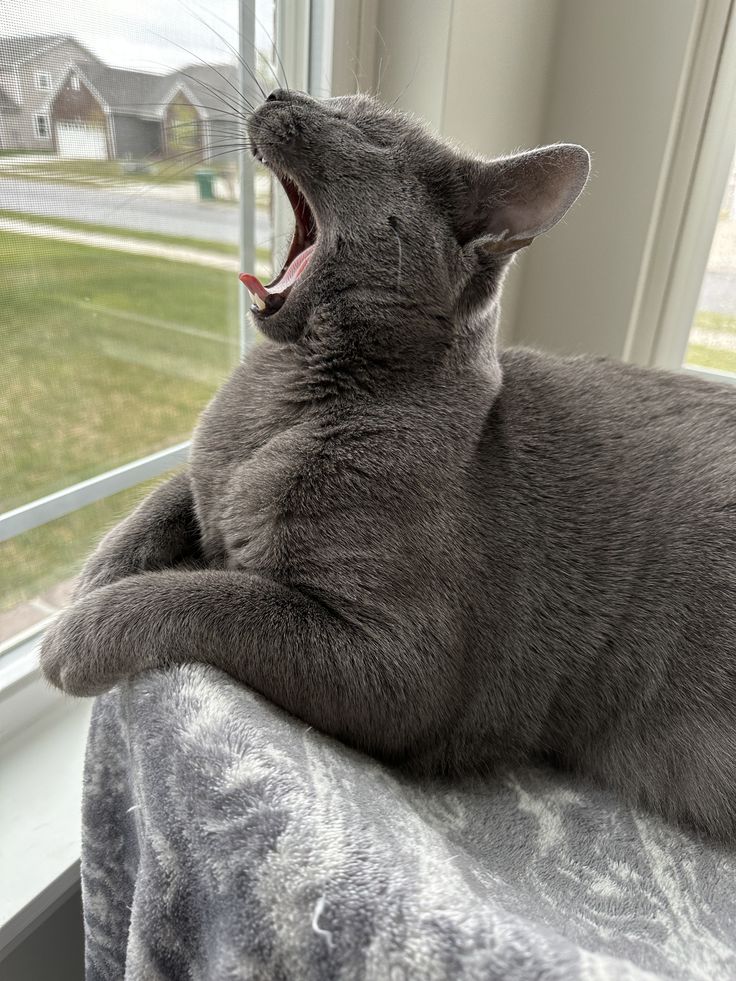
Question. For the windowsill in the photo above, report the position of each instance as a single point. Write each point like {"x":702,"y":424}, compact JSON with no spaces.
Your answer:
{"x":41,"y":765}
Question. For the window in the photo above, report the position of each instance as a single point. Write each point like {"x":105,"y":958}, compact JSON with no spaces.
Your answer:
{"x":685,"y":317}
{"x":43,"y":81}
{"x":712,"y":340}
{"x":120,"y":307}
{"x":42,"y":127}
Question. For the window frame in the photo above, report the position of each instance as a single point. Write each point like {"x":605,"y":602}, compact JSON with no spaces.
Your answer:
{"x":296,"y":49}
{"x":45,"y":75}
{"x":37,"y":723}
{"x":37,"y":117}
{"x":694,"y":175}
{"x":74,"y":82}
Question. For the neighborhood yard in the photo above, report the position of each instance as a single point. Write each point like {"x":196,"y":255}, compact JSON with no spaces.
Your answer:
{"x":107,"y":356}
{"x":712,"y":342}
{"x":110,"y":171}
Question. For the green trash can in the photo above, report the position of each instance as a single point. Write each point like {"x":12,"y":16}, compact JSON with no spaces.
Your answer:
{"x":206,"y":184}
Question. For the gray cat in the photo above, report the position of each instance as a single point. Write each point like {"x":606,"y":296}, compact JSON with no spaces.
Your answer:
{"x":449,"y":557}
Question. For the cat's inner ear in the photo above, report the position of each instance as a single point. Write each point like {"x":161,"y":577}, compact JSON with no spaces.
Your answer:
{"x":513,"y":199}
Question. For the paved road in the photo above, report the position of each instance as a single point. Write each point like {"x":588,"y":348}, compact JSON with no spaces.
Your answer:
{"x":215,"y":221}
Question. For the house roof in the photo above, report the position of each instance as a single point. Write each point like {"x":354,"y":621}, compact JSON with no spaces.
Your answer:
{"x":15,"y":50}
{"x":214,"y":87}
{"x":145,"y":94}
{"x":136,"y":93}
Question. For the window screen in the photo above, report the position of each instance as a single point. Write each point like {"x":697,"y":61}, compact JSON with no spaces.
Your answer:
{"x":120,"y":223}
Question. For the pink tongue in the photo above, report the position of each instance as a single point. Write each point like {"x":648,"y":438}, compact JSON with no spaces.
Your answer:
{"x":291,"y":275}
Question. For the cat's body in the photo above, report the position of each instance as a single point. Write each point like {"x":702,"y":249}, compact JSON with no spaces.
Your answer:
{"x":446,"y":558}
{"x":567,"y":543}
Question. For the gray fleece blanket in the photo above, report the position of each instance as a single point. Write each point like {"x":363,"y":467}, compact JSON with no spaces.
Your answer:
{"x":224,"y":839}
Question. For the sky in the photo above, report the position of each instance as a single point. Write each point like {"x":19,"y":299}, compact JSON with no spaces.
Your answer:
{"x":148,"y":36}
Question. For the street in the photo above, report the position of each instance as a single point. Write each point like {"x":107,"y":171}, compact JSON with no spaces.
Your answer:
{"x":144,"y":211}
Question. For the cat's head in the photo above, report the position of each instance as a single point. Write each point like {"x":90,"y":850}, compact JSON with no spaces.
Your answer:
{"x":394,"y":225}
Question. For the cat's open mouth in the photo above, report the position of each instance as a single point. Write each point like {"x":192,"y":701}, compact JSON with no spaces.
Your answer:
{"x":270,"y":298}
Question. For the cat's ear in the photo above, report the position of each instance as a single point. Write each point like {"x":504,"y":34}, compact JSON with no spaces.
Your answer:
{"x":513,"y":199}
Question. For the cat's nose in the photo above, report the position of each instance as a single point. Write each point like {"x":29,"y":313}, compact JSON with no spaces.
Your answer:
{"x":278,"y":95}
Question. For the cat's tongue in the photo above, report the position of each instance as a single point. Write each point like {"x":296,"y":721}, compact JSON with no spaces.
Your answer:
{"x":294,"y":271}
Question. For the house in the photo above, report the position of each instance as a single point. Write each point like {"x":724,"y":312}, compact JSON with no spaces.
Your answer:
{"x":31,"y":67}
{"x":87,"y":109}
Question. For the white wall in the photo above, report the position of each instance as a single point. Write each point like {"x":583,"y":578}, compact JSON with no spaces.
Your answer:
{"x":499,"y":61}
{"x":613,"y":87}
{"x":497,"y":75}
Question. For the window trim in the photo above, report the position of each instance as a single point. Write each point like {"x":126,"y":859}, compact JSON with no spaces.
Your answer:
{"x":44,"y":509}
{"x":74,"y":82}
{"x":37,"y":129}
{"x":47,"y":75}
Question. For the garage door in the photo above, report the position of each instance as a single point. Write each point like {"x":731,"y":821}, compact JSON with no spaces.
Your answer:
{"x":82,"y":141}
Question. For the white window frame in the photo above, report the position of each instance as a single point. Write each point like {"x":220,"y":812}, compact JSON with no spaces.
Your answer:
{"x":699,"y":157}
{"x":74,"y":82}
{"x":37,"y":128}
{"x":44,"y":82}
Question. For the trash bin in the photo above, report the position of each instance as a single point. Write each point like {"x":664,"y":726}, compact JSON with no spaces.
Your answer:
{"x":206,"y":184}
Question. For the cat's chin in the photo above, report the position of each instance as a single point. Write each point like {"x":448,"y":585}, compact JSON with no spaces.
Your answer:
{"x":287,"y":324}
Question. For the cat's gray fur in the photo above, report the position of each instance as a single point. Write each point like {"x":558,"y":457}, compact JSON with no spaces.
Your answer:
{"x":447,"y":557}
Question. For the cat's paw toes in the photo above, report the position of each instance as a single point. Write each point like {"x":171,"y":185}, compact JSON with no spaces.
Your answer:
{"x":69,"y":657}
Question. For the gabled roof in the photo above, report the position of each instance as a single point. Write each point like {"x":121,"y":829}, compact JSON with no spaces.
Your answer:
{"x":135,"y":93}
{"x":15,"y":50}
{"x":214,"y":88}
{"x":146,"y":95}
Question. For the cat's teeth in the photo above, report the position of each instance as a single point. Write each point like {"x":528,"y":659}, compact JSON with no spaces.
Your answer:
{"x":259,"y":301}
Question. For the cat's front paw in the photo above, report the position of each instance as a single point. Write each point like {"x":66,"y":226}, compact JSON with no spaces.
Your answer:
{"x":76,"y":653}
{"x":107,"y":567}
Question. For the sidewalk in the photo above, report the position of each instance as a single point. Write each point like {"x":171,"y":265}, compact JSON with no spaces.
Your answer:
{"x":159,"y":250}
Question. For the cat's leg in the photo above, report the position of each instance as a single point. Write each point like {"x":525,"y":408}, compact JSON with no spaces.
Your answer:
{"x":160,"y":533}
{"x":378,"y":685}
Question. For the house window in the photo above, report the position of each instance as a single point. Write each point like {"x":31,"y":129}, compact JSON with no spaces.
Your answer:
{"x":43,"y":81}
{"x":42,"y":126}
{"x":74,"y":82}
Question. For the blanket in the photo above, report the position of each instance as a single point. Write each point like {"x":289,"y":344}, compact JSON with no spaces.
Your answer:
{"x":224,"y":839}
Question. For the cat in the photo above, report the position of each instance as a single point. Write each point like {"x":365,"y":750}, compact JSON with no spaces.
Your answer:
{"x":451,"y":557}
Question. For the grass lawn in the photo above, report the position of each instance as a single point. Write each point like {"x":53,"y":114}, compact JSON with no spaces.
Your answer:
{"x":161,"y":172}
{"x":719,"y":328}
{"x":105,"y":357}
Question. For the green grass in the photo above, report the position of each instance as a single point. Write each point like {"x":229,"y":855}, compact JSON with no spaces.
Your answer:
{"x":715,"y":358}
{"x":106,"y":356}
{"x":162,"y":172}
{"x":44,"y":557}
{"x":85,"y":226}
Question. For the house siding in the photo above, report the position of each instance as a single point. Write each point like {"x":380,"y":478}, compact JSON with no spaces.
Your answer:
{"x":21,"y":83}
{"x":183,"y":129}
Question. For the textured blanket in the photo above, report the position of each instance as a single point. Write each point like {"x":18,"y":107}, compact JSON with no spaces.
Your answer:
{"x":224,"y":839}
